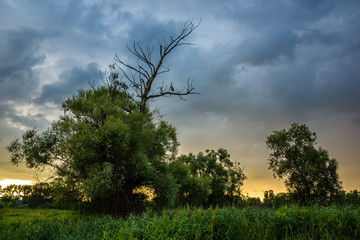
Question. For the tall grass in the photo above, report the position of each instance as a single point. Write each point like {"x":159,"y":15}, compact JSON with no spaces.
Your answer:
{"x":227,"y":223}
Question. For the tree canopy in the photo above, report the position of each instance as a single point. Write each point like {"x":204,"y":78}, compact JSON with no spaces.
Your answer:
{"x":107,"y":150}
{"x":208,"y":179}
{"x":308,"y":172}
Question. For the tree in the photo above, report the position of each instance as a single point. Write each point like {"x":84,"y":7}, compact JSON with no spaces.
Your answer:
{"x":139,"y":79}
{"x":11,"y":192}
{"x":284,"y":199}
{"x":253,"y":202}
{"x":269,"y":198}
{"x":106,"y":156}
{"x":192,"y":190}
{"x":208,"y":179}
{"x":107,"y":143}
{"x":308,"y":172}
{"x":353,"y":197}
{"x":66,"y":195}
{"x":39,"y":194}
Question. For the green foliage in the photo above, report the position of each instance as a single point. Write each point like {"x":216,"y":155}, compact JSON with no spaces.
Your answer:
{"x":39,"y":194}
{"x":227,"y":223}
{"x":106,"y":148}
{"x":309,"y":173}
{"x":253,"y":202}
{"x":269,"y":198}
{"x":10,"y":192}
{"x":207,"y":179}
{"x":55,"y":194}
{"x":281,"y":199}
{"x":66,"y":195}
{"x":353,"y":197}
{"x":103,"y":148}
{"x":347,"y":198}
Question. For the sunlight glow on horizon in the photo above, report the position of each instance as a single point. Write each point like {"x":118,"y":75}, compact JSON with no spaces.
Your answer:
{"x":6,"y":182}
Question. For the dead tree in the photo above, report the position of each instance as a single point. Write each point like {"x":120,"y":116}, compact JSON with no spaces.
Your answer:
{"x":141,"y":77}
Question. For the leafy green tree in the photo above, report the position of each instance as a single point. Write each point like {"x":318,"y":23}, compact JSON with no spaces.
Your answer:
{"x":26,"y":192}
{"x":107,"y":143}
{"x":55,"y":194}
{"x":308,"y":172}
{"x":66,"y":195}
{"x":39,"y":194}
{"x":253,"y":202}
{"x":192,"y":190}
{"x":208,"y":179}
{"x":353,"y":197}
{"x":284,"y":199}
{"x":269,"y":198}
{"x":11,"y":192}
{"x":106,"y":146}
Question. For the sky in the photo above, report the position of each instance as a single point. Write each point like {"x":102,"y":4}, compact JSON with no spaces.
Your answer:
{"x":258,"y":65}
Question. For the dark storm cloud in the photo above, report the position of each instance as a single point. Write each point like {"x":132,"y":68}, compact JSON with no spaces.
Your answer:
{"x":86,"y":30}
{"x":149,"y":31}
{"x":303,"y":88}
{"x":18,"y":80}
{"x":214,"y":78}
{"x":70,"y":81}
{"x":327,"y":81}
{"x":262,"y":14}
{"x":76,"y":27}
{"x":66,"y":16}
{"x":268,"y":47}
{"x":18,"y":50}
{"x":297,"y":67}
{"x":18,"y":55}
{"x":324,"y":75}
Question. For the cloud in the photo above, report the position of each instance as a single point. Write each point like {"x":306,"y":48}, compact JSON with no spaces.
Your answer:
{"x":148,"y":30}
{"x":18,"y":57}
{"x":15,"y":121}
{"x":268,"y":47}
{"x":19,"y":80}
{"x":70,"y":81}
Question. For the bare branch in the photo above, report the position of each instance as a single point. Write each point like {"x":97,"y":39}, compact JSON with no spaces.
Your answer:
{"x":142,"y":76}
{"x":188,"y":90}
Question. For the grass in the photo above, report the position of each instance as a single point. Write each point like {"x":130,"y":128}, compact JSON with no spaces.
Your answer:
{"x":227,"y":223}
{"x":24,"y":215}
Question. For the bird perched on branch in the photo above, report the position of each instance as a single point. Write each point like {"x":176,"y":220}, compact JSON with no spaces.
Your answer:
{"x":171,"y":87}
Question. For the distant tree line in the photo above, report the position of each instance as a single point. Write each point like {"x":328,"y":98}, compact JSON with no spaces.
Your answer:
{"x":55,"y":195}
{"x":40,"y":195}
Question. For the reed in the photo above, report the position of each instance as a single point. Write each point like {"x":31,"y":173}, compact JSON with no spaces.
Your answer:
{"x":287,"y":222}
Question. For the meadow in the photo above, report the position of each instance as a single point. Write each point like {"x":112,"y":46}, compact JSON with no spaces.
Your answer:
{"x":287,"y":222}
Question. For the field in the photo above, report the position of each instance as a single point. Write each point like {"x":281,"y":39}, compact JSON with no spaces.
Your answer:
{"x":227,"y":223}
